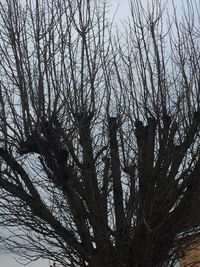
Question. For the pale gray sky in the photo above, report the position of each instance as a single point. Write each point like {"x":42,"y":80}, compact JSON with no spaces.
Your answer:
{"x":8,"y":260}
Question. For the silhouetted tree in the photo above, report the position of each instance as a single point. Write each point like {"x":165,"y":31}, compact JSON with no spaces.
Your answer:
{"x":99,"y":132}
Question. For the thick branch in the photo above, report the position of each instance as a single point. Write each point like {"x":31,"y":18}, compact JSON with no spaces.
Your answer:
{"x":116,"y":174}
{"x":92,"y":194}
{"x":39,"y":209}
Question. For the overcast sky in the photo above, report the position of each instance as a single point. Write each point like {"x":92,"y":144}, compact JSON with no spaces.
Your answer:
{"x":8,"y":260}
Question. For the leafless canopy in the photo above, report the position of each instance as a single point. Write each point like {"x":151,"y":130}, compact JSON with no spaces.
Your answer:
{"x":99,"y":131}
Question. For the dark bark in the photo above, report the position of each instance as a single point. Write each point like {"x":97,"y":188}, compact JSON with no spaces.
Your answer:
{"x":99,"y":136}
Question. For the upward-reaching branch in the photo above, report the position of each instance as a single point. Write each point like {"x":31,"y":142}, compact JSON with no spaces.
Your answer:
{"x":99,"y":132}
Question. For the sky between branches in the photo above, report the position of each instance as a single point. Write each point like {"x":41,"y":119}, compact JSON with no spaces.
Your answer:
{"x":119,"y":9}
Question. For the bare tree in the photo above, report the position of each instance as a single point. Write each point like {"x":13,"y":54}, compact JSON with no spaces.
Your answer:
{"x":99,"y":132}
